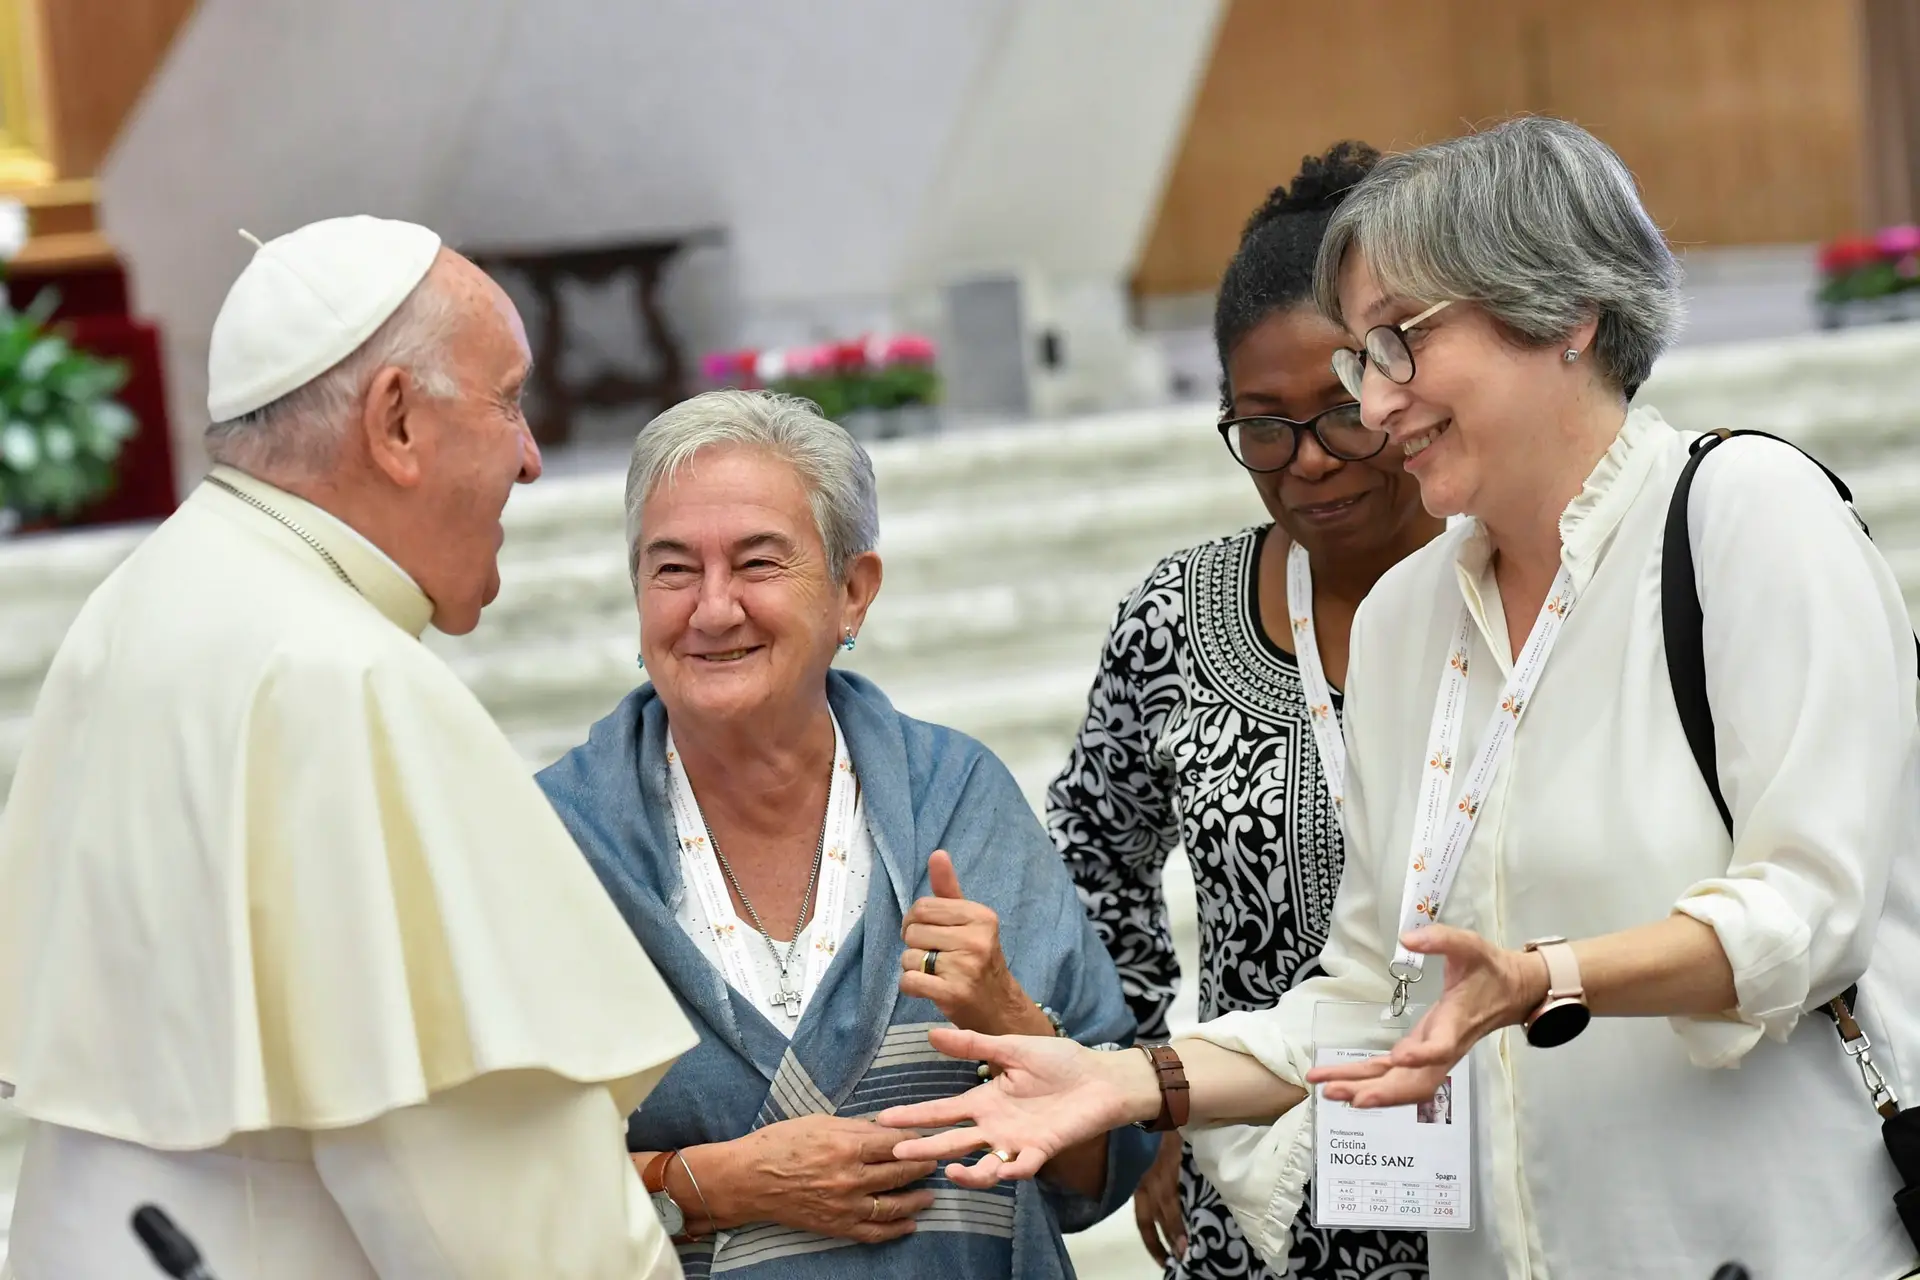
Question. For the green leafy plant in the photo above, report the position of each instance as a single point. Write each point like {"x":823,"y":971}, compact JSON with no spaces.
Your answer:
{"x":61,"y":430}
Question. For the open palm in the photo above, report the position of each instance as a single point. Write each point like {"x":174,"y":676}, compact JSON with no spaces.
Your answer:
{"x":1050,"y":1094}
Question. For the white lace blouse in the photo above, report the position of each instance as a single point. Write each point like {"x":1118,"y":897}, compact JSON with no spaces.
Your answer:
{"x":1638,"y":1149}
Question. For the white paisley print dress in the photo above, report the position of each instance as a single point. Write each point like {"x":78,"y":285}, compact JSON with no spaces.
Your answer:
{"x":1197,"y":733}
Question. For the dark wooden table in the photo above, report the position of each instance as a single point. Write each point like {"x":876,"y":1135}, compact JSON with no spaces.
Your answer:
{"x":555,"y":397}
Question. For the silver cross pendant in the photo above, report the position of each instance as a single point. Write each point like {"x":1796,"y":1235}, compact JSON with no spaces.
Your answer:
{"x":787,"y":996}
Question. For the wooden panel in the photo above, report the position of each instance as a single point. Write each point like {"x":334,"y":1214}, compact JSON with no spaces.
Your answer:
{"x":1890,"y":30}
{"x":1740,"y":117}
{"x":1288,"y":78}
{"x":100,"y":55}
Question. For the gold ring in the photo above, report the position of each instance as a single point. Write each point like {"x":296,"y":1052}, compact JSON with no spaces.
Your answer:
{"x":874,"y":1216}
{"x":928,"y":960}
{"x":1005,"y":1156}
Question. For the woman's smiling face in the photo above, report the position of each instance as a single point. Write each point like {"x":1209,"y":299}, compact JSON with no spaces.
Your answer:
{"x":738,"y":612}
{"x":1467,"y":424}
{"x":1283,"y":368}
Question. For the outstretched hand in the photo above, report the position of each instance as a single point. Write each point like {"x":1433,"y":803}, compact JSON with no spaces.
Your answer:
{"x":1050,"y":1094}
{"x":1487,"y":987}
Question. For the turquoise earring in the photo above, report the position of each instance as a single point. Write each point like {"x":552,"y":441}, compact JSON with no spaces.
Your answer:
{"x":640,"y":661}
{"x":847,"y":644}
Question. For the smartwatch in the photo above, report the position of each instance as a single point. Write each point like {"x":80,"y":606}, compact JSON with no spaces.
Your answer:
{"x":1564,"y":1013}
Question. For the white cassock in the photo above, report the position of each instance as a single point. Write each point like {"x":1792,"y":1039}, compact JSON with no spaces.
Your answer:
{"x":292,"y":945}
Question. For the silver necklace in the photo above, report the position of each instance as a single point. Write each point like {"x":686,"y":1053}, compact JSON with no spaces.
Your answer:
{"x":302,"y":534}
{"x":788,"y":994}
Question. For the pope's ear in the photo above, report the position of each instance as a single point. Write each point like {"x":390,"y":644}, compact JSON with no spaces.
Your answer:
{"x":393,"y":438}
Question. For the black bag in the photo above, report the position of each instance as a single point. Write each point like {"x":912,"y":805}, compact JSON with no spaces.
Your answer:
{"x":1687,"y":672}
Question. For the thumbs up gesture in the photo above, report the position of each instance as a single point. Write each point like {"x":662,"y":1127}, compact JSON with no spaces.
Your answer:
{"x":953,"y":958}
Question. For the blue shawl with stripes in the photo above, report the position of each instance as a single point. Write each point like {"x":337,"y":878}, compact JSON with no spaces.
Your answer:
{"x":861,"y":1046}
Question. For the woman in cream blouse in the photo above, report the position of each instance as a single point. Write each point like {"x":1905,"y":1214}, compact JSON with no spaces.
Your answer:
{"x":1506,"y":294}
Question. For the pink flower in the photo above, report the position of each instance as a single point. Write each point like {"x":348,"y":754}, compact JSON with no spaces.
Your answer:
{"x":904,"y":348}
{"x":725,"y":368}
{"x":806,"y":362}
{"x":1898,"y":242}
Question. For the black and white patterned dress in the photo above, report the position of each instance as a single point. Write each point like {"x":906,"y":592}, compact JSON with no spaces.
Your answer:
{"x":1197,"y":733}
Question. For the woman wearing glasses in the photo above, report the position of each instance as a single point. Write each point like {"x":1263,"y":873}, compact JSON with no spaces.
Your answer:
{"x":1610,"y":942}
{"x":1212,"y":722}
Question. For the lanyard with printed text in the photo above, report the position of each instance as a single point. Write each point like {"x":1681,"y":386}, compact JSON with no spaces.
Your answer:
{"x":732,"y":936}
{"x":1306,"y":652}
{"x":1432,"y":864}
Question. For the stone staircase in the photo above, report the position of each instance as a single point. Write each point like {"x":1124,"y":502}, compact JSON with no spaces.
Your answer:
{"x":1006,"y":552}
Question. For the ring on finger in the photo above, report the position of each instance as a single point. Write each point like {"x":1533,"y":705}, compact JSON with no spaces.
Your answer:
{"x":1003,"y":1155}
{"x":928,"y":960}
{"x":873,"y":1215}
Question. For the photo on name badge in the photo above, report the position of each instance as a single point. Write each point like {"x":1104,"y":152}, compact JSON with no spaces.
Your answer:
{"x":1439,"y":1108}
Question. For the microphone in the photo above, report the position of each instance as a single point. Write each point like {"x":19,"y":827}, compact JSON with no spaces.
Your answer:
{"x":1732,"y":1271}
{"x":168,"y":1245}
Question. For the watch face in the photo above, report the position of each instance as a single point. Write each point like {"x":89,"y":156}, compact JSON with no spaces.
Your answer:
{"x":1557,"y":1024}
{"x":674,"y":1221}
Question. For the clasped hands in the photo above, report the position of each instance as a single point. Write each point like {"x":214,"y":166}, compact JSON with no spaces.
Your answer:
{"x":839,"y":1176}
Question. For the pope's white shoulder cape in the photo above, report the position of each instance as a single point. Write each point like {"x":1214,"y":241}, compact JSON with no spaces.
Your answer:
{"x":268,"y":863}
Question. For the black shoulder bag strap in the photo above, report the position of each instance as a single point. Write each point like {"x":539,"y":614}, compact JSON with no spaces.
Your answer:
{"x":1687,"y":672}
{"x":1681,"y":617}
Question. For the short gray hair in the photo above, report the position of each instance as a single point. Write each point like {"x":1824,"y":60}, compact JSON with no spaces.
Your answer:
{"x":1535,"y":220}
{"x":300,"y":433}
{"x":835,"y":470}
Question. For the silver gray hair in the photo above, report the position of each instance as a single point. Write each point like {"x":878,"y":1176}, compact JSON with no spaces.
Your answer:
{"x":1536,"y":221}
{"x":300,"y":433}
{"x":835,"y":470}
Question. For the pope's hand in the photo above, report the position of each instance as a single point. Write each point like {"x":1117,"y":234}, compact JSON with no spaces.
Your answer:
{"x":1488,"y":987}
{"x":1050,"y":1094}
{"x":970,"y":982}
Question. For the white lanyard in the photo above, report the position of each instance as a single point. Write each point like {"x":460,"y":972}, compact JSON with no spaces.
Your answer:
{"x":1431,"y":867}
{"x":733,"y":937}
{"x":1306,"y":652}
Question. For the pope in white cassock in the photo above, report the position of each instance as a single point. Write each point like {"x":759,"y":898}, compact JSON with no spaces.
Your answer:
{"x":291,"y":944}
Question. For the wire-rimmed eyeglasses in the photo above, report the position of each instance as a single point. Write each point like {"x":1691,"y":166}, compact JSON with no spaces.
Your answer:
{"x":1387,"y":348}
{"x":1268,"y":443}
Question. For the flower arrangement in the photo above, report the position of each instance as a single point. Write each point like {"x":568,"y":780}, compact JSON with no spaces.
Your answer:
{"x":875,"y":375}
{"x":1860,"y":268}
{"x":60,"y":427}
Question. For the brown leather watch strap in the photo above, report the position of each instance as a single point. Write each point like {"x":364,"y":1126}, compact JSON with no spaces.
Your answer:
{"x":654,"y":1176}
{"x":1174,"y":1102}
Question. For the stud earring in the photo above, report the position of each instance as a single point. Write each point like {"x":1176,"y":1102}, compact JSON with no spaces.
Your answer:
{"x":640,"y":661}
{"x":847,"y":644}
{"x":1572,"y":355}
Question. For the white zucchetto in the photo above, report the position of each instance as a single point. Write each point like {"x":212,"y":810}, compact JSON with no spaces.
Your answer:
{"x":306,"y":302}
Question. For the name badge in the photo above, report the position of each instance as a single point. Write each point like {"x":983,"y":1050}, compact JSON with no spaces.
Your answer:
{"x":1407,"y":1168}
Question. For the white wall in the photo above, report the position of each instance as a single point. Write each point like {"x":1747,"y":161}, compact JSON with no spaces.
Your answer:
{"x":853,"y":150}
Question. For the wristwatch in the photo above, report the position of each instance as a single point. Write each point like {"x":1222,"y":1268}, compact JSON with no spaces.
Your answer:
{"x":1564,"y":1013}
{"x":672,"y":1218}
{"x":1171,"y":1076}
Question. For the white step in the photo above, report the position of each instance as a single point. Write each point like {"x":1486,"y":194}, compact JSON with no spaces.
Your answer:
{"x":1006,"y":550}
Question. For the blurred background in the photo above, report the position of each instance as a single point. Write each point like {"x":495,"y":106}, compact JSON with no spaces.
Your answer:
{"x":983,"y":233}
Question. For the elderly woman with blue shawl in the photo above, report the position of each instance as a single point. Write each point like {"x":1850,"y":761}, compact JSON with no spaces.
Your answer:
{"x":791,"y":851}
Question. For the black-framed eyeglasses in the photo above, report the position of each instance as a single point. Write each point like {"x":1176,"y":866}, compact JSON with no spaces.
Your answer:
{"x":1268,"y":443}
{"x":1386,"y":348}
